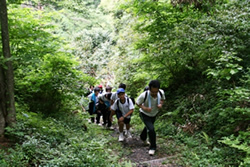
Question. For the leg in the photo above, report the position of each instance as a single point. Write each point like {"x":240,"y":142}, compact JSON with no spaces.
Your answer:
{"x":91,"y":111}
{"x":102,"y":108}
{"x":120,"y":124}
{"x":149,"y":123}
{"x":98,"y":116}
{"x":108,"y":115}
{"x":127,"y":122}
{"x":127,"y":126}
{"x":104,"y":116}
{"x":143,"y":134}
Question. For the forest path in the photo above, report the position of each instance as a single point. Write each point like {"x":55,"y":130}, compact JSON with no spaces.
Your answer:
{"x":138,"y":152}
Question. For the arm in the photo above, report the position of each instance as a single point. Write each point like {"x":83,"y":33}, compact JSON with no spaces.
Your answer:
{"x":126,"y":115}
{"x":162,"y":99}
{"x":146,"y":109}
{"x":129,"y":113}
{"x":111,"y":115}
{"x":160,"y":105}
{"x":140,"y":103}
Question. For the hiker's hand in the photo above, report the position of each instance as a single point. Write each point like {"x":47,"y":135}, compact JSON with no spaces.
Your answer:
{"x":121,"y":119}
{"x":159,"y":106}
{"x":147,"y":109}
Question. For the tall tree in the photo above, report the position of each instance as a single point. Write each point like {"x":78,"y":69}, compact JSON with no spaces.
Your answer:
{"x":7,"y":101}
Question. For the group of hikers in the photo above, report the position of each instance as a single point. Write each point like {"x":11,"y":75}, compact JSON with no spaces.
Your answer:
{"x":108,"y":103}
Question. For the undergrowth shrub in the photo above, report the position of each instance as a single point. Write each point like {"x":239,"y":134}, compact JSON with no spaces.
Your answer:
{"x":198,"y":149}
{"x":61,"y":141}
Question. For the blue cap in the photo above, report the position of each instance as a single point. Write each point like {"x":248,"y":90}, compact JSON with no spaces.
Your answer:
{"x":120,"y":90}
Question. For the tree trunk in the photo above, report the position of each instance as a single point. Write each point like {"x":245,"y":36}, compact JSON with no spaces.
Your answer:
{"x":2,"y":102}
{"x":7,"y":104}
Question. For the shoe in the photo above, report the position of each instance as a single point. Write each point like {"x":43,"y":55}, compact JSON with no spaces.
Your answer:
{"x":121,"y":137}
{"x":145,"y":143}
{"x":128,"y":134}
{"x":151,"y":152}
{"x":110,"y":128}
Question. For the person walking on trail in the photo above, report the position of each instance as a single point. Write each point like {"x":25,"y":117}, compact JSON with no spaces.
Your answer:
{"x":90,"y":90}
{"x":101,"y":90}
{"x":150,"y":102}
{"x":93,"y":97}
{"x":123,"y":107}
{"x":104,"y":106}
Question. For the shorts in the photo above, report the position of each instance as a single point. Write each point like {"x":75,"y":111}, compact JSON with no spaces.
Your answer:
{"x":119,"y":115}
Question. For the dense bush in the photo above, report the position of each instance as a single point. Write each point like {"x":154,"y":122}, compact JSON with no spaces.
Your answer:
{"x":47,"y":77}
{"x":64,"y":141}
{"x":202,"y":60}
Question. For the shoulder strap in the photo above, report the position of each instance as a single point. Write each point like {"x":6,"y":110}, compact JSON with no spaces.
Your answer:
{"x":117,"y":103}
{"x":146,"y":94}
{"x":160,"y":93}
{"x":128,"y":102}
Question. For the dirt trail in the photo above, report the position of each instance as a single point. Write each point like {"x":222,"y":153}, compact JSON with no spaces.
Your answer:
{"x":139,"y":153}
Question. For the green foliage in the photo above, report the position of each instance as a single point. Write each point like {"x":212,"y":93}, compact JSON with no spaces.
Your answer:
{"x":240,"y":142}
{"x":185,"y":47}
{"x":201,"y":59}
{"x":200,"y":56}
{"x":53,"y":86}
{"x":47,"y":75}
{"x":195,"y":149}
{"x":56,"y":142}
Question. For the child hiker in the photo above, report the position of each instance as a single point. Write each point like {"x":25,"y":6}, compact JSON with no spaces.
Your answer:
{"x":123,"y":107}
{"x":93,"y":98}
{"x":150,"y":102}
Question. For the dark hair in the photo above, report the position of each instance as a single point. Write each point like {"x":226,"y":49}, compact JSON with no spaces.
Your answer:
{"x":154,"y":84}
{"x":96,"y":89}
{"x":122,"y":85}
{"x":108,"y":88}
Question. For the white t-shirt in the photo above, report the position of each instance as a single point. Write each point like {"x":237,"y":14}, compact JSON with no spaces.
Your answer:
{"x":125,"y":107}
{"x":102,"y":97}
{"x":114,"y":96}
{"x":154,"y":102}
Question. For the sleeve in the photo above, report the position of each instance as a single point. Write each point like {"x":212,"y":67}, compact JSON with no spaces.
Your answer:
{"x":140,"y":99}
{"x":131,"y":105}
{"x":89,"y":96}
{"x":114,"y":106}
{"x":113,"y":96}
{"x":163,"y":94}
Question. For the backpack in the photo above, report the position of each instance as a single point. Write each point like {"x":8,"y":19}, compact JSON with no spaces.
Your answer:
{"x":147,"y":95}
{"x":133,"y":100}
